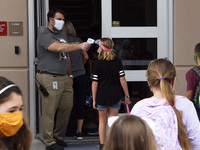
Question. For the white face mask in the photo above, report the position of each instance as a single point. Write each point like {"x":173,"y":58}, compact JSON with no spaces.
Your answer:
{"x":58,"y":24}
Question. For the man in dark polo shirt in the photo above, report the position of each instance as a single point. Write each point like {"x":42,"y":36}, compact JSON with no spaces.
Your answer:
{"x":52,"y":69}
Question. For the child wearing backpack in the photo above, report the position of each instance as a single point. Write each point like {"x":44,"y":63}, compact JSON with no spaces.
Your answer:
{"x":193,"y":78}
{"x":161,"y":108}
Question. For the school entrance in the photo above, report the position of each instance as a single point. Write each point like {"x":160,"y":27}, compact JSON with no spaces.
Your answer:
{"x":141,"y":29}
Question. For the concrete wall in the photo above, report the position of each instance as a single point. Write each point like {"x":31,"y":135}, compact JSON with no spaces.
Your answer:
{"x":186,"y":36}
{"x":15,"y":66}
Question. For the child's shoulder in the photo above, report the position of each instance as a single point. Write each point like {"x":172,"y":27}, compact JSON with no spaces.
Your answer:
{"x":182,"y":102}
{"x":191,"y":71}
{"x":146,"y":102}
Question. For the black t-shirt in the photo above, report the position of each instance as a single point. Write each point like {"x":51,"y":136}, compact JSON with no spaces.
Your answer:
{"x":107,"y":74}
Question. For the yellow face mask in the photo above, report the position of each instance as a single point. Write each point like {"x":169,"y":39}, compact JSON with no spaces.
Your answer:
{"x":10,"y":123}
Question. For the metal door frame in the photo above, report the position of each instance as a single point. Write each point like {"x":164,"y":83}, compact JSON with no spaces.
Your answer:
{"x":42,"y":9}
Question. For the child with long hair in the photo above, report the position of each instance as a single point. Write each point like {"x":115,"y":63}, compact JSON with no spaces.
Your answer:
{"x":108,"y":85}
{"x":130,"y":132}
{"x":14,"y":132}
{"x":161,"y":76}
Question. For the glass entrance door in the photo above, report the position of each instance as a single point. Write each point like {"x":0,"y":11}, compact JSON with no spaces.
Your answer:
{"x":141,"y":30}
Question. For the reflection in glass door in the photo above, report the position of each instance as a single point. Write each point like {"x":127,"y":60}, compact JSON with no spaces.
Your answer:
{"x":141,"y":30}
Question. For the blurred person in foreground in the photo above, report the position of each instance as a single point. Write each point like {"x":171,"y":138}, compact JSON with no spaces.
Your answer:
{"x":130,"y":132}
{"x":14,"y":132}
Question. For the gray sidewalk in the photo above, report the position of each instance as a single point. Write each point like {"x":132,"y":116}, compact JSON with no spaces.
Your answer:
{"x":37,"y":145}
{"x":88,"y":143}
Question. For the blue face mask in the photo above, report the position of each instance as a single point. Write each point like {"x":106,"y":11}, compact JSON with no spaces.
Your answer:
{"x":195,"y":59}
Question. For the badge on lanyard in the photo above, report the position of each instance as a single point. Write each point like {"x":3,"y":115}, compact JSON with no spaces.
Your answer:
{"x":55,"y":85}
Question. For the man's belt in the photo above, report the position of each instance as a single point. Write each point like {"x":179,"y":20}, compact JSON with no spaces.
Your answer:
{"x":46,"y":72}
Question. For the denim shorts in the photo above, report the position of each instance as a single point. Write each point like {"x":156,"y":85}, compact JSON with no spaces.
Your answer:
{"x":115,"y":106}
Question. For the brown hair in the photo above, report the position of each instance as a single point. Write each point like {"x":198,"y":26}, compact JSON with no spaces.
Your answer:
{"x":130,"y":132}
{"x":52,"y":12}
{"x":3,"y":83}
{"x":108,"y":43}
{"x":197,"y":49}
{"x":163,"y":68}
{"x":23,"y":138}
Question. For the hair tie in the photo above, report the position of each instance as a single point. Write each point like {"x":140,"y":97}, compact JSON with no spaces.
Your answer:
{"x":105,"y":49}
{"x":162,"y":78}
{"x":174,"y":106}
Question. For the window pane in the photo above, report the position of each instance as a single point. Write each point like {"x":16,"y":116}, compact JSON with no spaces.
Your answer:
{"x":137,"y":91}
{"x":135,"y":53}
{"x":134,"y":12}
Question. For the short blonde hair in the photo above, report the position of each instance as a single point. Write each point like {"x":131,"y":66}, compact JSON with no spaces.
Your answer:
{"x":104,"y":55}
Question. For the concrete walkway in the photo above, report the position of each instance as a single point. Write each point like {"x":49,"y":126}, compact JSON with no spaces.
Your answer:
{"x":88,"y":143}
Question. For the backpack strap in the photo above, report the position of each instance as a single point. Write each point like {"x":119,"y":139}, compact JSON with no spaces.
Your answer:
{"x":197,"y":92}
{"x":196,"y":70}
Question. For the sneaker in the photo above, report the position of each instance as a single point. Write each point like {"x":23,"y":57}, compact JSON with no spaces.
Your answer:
{"x":54,"y":147}
{"x":78,"y":136}
{"x":61,"y":143}
{"x":94,"y":132}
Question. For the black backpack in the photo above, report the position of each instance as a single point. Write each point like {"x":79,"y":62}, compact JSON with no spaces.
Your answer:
{"x":196,"y":100}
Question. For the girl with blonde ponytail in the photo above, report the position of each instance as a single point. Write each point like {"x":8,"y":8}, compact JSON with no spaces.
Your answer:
{"x":172,"y":124}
